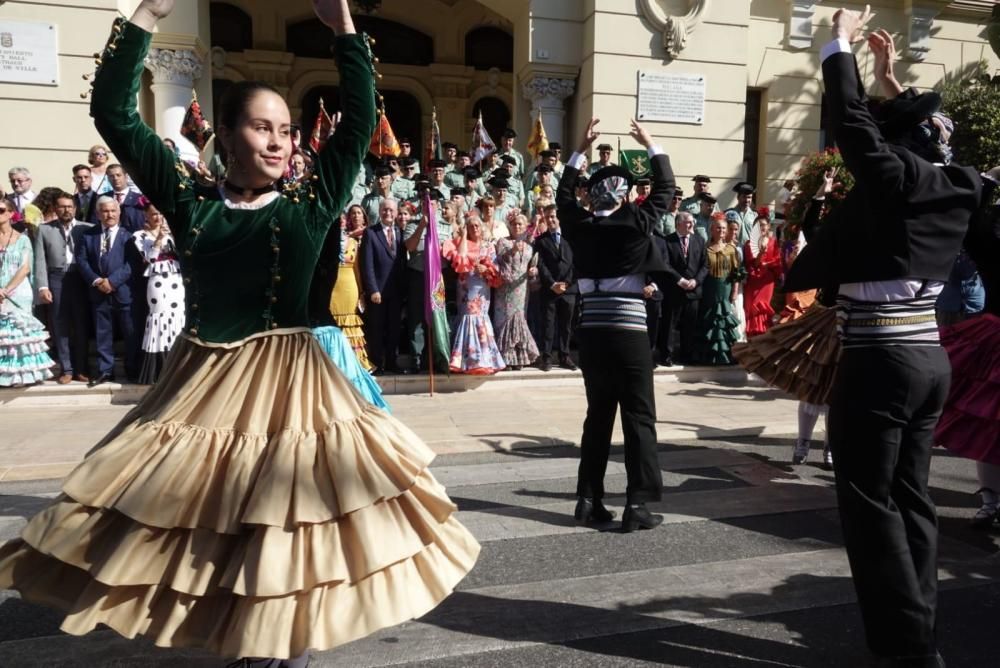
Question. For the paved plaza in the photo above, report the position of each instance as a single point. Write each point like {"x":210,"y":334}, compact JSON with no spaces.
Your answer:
{"x":747,"y":570}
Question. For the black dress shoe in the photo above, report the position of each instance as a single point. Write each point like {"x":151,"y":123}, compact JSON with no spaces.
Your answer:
{"x":545,"y":365}
{"x":567,"y":363}
{"x":639,"y":517}
{"x":590,"y":511}
{"x":101,"y":379}
{"x":666,"y":361}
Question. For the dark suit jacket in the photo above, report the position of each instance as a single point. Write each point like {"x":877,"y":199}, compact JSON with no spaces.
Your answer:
{"x":694,"y":266}
{"x":87,"y":213}
{"x":619,"y":244}
{"x":661,"y":245}
{"x":555,"y":263}
{"x":88,"y":259}
{"x":381,"y":270}
{"x":132,"y":218}
{"x":905,"y":218}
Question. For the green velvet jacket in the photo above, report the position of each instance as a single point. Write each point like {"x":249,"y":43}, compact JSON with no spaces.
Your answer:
{"x":246,"y":271}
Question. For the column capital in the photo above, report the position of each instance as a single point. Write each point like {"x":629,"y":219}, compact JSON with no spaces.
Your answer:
{"x":540,"y":89}
{"x":181,"y":67}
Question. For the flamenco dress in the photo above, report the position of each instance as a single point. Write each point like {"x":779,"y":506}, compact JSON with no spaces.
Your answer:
{"x":345,"y":296}
{"x":165,"y":297}
{"x":970,"y":421}
{"x":23,"y":356}
{"x":763,"y":271}
{"x":718,"y":326}
{"x":252,"y":504}
{"x":474,"y":350}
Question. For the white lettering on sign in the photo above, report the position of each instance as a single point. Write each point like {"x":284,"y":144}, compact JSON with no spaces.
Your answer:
{"x":671,"y":98}
{"x":29,"y":53}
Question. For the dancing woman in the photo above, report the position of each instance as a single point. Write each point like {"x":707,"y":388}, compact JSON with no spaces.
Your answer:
{"x":252,"y":504}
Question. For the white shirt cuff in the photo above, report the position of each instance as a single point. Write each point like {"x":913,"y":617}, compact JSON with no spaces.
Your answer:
{"x":576,"y":161}
{"x":655,"y":150}
{"x":989,"y":178}
{"x":839,"y":45}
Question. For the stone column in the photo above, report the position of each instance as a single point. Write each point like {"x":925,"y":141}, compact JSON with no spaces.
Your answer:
{"x":547,"y":95}
{"x":174,"y":73}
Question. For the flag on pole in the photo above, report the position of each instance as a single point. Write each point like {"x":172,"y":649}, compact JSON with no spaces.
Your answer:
{"x":384,"y":139}
{"x":321,"y":129}
{"x":434,"y":150}
{"x":635,"y":161}
{"x":195,"y":128}
{"x":434,"y":309}
{"x":538,"y":142}
{"x":482,"y":145}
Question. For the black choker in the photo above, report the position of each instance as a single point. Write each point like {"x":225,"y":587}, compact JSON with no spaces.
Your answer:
{"x":247,"y":192}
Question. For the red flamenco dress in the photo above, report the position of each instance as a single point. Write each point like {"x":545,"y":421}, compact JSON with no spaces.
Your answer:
{"x":763,"y":271}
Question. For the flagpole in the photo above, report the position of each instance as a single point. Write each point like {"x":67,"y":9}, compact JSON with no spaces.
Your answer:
{"x":430,"y":321}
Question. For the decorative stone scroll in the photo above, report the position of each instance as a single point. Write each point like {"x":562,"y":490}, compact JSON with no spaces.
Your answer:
{"x":675,"y":29}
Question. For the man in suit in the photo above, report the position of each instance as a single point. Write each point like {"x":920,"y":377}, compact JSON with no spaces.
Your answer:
{"x":558,"y":292}
{"x":885,"y":252}
{"x":61,"y":285}
{"x":383,"y":274}
{"x":132,"y":217}
{"x":687,"y":267}
{"x":613,"y":257}
{"x":100,"y":256}
{"x":84,"y":199}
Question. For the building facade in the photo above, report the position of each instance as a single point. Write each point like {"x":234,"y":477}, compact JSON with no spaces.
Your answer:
{"x":756,"y":61}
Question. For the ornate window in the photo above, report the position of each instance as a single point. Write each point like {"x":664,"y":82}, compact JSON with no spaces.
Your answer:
{"x":231,"y":27}
{"x":394,"y":42}
{"x":488,"y":47}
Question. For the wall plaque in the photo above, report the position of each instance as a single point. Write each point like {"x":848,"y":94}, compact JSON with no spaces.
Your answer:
{"x":29,"y":53}
{"x":671,"y":98}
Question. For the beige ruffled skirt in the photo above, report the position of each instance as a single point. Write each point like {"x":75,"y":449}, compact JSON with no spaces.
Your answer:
{"x":253,"y":505}
{"x":799,"y":356}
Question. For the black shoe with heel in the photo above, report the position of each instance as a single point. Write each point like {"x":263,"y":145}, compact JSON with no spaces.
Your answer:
{"x":639,"y":517}
{"x":589,"y":511}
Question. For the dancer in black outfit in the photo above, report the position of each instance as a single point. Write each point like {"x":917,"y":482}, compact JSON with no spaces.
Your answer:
{"x":889,"y":248}
{"x":614,"y":254}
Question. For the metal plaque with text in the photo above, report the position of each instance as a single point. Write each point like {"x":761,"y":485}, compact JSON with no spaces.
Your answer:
{"x":29,"y":53}
{"x":671,"y":98}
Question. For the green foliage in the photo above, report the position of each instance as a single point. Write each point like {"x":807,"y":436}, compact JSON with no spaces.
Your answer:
{"x":972,"y":100}
{"x":810,"y":178}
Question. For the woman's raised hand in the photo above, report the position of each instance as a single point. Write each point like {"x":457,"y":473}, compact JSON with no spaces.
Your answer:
{"x":335,"y":14}
{"x":149,"y":12}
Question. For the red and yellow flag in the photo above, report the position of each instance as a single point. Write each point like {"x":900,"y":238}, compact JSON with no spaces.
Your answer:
{"x":321,"y":129}
{"x":195,"y":128}
{"x":384,"y":139}
{"x":538,"y":142}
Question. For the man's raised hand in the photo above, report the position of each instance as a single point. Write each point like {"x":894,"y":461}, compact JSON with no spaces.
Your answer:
{"x":851,"y":25}
{"x":640,"y":134}
{"x":590,"y":135}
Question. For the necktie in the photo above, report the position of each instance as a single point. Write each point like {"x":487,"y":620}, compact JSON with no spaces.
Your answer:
{"x":105,"y":250}
{"x":391,"y":238}
{"x":120,"y":197}
{"x":684,"y":246}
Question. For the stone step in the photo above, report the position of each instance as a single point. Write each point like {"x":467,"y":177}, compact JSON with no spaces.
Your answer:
{"x":76,"y":394}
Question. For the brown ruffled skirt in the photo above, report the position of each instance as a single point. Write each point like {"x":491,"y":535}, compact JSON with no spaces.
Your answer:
{"x":799,"y":356}
{"x":253,"y":505}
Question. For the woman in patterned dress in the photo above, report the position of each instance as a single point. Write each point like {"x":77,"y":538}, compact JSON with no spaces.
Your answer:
{"x":23,"y":360}
{"x":517,"y":346}
{"x":164,"y":291}
{"x":474,"y":349}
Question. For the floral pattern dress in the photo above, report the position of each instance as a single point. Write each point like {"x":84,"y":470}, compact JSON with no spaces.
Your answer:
{"x":474,"y":348}
{"x":514,"y":339}
{"x":23,"y":360}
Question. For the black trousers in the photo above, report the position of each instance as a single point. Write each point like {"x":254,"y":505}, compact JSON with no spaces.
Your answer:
{"x":382,"y":322}
{"x":884,"y":406}
{"x":678,"y":327}
{"x":70,"y":319}
{"x":618,"y":371}
{"x":654,"y":308}
{"x":557,"y":313}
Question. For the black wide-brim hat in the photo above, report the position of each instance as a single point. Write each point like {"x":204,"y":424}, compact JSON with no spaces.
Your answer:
{"x":906,"y":110}
{"x":610,"y":171}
